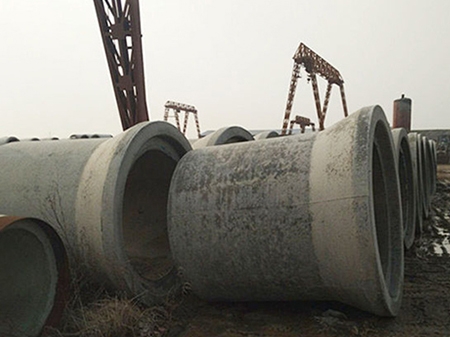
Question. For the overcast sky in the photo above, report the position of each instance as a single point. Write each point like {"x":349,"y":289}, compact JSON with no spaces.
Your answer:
{"x":231,"y":59}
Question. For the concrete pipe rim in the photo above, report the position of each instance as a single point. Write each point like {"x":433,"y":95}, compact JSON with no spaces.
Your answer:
{"x":386,"y":213}
{"x":142,"y":166}
{"x":42,"y":276}
{"x":406,"y":180}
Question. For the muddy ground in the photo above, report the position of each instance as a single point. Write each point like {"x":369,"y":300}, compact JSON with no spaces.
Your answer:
{"x":425,"y":310}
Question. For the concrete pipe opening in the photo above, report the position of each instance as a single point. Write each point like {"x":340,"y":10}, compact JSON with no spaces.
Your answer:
{"x":144,"y":220}
{"x":138,"y":165}
{"x":406,"y":180}
{"x":33,"y":278}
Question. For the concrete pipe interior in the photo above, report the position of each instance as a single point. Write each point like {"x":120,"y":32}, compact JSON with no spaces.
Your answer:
{"x":28,"y":279}
{"x":387,"y":219}
{"x":144,"y":222}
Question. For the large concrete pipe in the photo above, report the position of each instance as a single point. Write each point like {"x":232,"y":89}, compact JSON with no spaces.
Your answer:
{"x":402,"y":113}
{"x":34,"y":277}
{"x":106,"y":198}
{"x":426,"y":178}
{"x":226,"y":135}
{"x":407,"y":188}
{"x":266,"y":135}
{"x":416,"y":159}
{"x":293,"y":218}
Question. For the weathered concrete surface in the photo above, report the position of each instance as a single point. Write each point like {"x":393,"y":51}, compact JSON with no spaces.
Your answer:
{"x":433,"y":153}
{"x":306,"y":217}
{"x":416,"y":159}
{"x":33,"y":273}
{"x":408,"y":189}
{"x":106,"y":198}
{"x":226,"y":135}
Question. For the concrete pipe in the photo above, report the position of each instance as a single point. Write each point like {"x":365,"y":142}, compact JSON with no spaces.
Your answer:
{"x":315,"y":217}
{"x":34,"y":277}
{"x":416,"y":159}
{"x":266,"y":135}
{"x":226,"y":135}
{"x":106,"y":198}
{"x":407,"y":188}
{"x":426,"y":179}
{"x":432,"y":144}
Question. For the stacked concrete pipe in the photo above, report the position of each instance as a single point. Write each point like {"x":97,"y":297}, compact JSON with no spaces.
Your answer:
{"x":266,"y":135}
{"x":34,"y":277}
{"x":432,"y":145}
{"x":226,"y":135}
{"x":106,"y":198}
{"x":407,"y":184}
{"x":416,"y":159}
{"x":315,"y":217}
{"x":426,"y":174}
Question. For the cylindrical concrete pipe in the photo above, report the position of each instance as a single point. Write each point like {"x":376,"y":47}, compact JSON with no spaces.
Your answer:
{"x":426,"y":179}
{"x":266,"y":135}
{"x":416,"y":159}
{"x":402,"y":113}
{"x":407,"y":188}
{"x":315,"y":217}
{"x":432,"y":144}
{"x":34,"y":277}
{"x":226,"y":135}
{"x":106,"y":198}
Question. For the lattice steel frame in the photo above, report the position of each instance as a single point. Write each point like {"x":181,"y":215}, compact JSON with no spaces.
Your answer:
{"x":178,"y":108}
{"x":119,"y":22}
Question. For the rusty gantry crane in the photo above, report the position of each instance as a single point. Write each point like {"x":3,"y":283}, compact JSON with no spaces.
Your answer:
{"x":313,"y":64}
{"x":177,"y":108}
{"x":120,"y":28}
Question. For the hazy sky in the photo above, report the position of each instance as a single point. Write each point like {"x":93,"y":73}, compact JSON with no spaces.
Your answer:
{"x":231,"y":59}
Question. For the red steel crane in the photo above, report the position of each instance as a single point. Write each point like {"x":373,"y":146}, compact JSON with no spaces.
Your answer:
{"x":314,"y":65}
{"x":177,"y":108}
{"x":120,"y":28}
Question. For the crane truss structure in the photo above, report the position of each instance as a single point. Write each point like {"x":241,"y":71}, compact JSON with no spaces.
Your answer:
{"x":303,"y":122}
{"x":314,"y":65}
{"x":120,"y":28}
{"x":177,"y":109}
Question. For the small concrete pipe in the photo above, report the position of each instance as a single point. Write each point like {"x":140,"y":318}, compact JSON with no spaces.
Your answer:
{"x":426,"y":179}
{"x":407,"y":188}
{"x":34,"y":277}
{"x":226,"y":135}
{"x":266,"y":135}
{"x":432,"y":144}
{"x":416,"y":155}
{"x":106,"y":198}
{"x":315,"y":217}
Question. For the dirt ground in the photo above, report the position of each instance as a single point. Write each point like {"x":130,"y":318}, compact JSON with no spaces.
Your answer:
{"x":425,"y":310}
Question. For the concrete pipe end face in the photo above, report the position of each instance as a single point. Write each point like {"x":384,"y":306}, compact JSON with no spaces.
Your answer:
{"x":34,"y":279}
{"x":226,"y":135}
{"x":256,"y":223}
{"x":407,"y":184}
{"x":121,"y":209}
{"x":370,"y":236}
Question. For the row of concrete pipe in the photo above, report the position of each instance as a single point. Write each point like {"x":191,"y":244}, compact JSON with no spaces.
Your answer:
{"x":319,"y":216}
